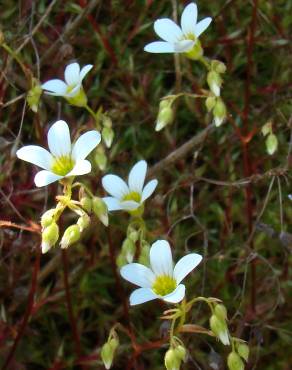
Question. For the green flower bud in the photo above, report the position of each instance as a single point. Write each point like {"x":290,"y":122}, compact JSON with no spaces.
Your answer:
{"x":218,"y":66}
{"x":107,"y":136}
{"x":219,"y":328}
{"x":70,"y":236}
{"x":219,"y":112}
{"x":100,"y":158}
{"x":271,"y":144}
{"x":214,"y":81}
{"x":165,"y":103}
{"x":129,"y":249}
{"x":172,"y":360}
{"x":50,"y":236}
{"x":210,"y":103}
{"x":267,"y":128}
{"x":83,"y":222}
{"x":121,"y":260}
{"x":34,"y":95}
{"x":220,"y":311}
{"x":86,"y":204}
{"x":99,"y":208}
{"x":79,"y":100}
{"x":108,"y":351}
{"x":165,"y":117}
{"x":234,"y":362}
{"x":106,"y":121}
{"x":48,"y":217}
{"x":144,"y":254}
{"x":196,"y":52}
{"x":181,"y":352}
{"x":243,"y":351}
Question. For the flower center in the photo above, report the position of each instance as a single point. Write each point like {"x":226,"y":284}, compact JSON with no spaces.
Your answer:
{"x":133,"y":195}
{"x":70,"y":88}
{"x":62,"y":165}
{"x":163,"y":285}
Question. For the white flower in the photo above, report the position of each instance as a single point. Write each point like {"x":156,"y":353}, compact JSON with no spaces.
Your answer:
{"x":132,"y":196}
{"x":64,"y":159}
{"x":73,"y":82}
{"x":178,"y":39}
{"x":162,"y":280}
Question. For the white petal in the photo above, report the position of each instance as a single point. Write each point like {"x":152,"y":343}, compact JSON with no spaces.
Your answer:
{"x":183,"y":46}
{"x":72,"y":74}
{"x":202,"y":26}
{"x":59,"y":139}
{"x":159,"y":47}
{"x":129,"y":205}
{"x":81,"y":167}
{"x":113,"y":204}
{"x":185,"y":265}
{"x":177,"y":295}
{"x":137,"y":176}
{"x":148,"y":190}
{"x":36,"y":155}
{"x":168,"y":30}
{"x":44,"y":178}
{"x":138,"y":274}
{"x":85,"y":70}
{"x":55,"y":87}
{"x":115,"y":186}
{"x":142,"y":295}
{"x":85,"y":144}
{"x":189,"y":19}
{"x":161,"y":258}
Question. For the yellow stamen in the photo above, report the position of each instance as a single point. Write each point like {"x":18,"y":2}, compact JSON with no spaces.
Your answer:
{"x":163,"y":285}
{"x":133,"y":195}
{"x":62,"y":165}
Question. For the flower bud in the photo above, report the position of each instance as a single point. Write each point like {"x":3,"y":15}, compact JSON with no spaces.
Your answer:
{"x":50,"y":235}
{"x":108,"y":351}
{"x":243,"y":351}
{"x":106,"y":121}
{"x":214,"y":81}
{"x":234,"y":362}
{"x":218,"y":66}
{"x":210,"y":103}
{"x":267,"y":128}
{"x":99,"y":208}
{"x":171,"y":360}
{"x":79,"y":100}
{"x":129,"y":249}
{"x":86,"y":204}
{"x":83,"y":222}
{"x":121,"y":260}
{"x":48,"y":217}
{"x":271,"y":143}
{"x":144,"y":254}
{"x":107,"y":136}
{"x":219,"y":112}
{"x":219,"y":328}
{"x":100,"y":158}
{"x":33,"y":96}
{"x":181,"y":352}
{"x":220,"y":311}
{"x":165,"y":117}
{"x":70,"y":236}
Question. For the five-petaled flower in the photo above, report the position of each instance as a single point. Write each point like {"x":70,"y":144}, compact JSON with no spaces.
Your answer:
{"x":71,"y":89}
{"x":162,"y":280}
{"x":184,"y":39}
{"x":132,"y":196}
{"x":64,"y":159}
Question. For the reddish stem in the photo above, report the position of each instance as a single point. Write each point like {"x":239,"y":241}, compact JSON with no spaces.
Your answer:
{"x":29,"y":309}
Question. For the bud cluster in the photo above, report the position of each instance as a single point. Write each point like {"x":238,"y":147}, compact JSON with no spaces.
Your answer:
{"x":174,"y":357}
{"x":234,"y":360}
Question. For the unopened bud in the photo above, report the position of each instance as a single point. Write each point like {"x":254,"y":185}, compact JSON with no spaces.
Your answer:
{"x":107,"y":136}
{"x":70,"y":236}
{"x":100,"y":158}
{"x":108,"y":351}
{"x":271,"y":144}
{"x":129,"y":249}
{"x":267,"y":128}
{"x":220,"y":311}
{"x":165,"y":117}
{"x":144,"y":254}
{"x":33,"y":96}
{"x":50,"y":236}
{"x":219,"y":328}
{"x":86,"y":204}
{"x":121,"y":260}
{"x":83,"y":222}
{"x":181,"y":352}
{"x":99,"y":208}
{"x":214,"y":81}
{"x":219,"y":112}
{"x":48,"y":217}
{"x":218,"y":66}
{"x":243,"y":351}
{"x":172,"y":360}
{"x":210,"y":103}
{"x":106,"y":121}
{"x":234,"y":362}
